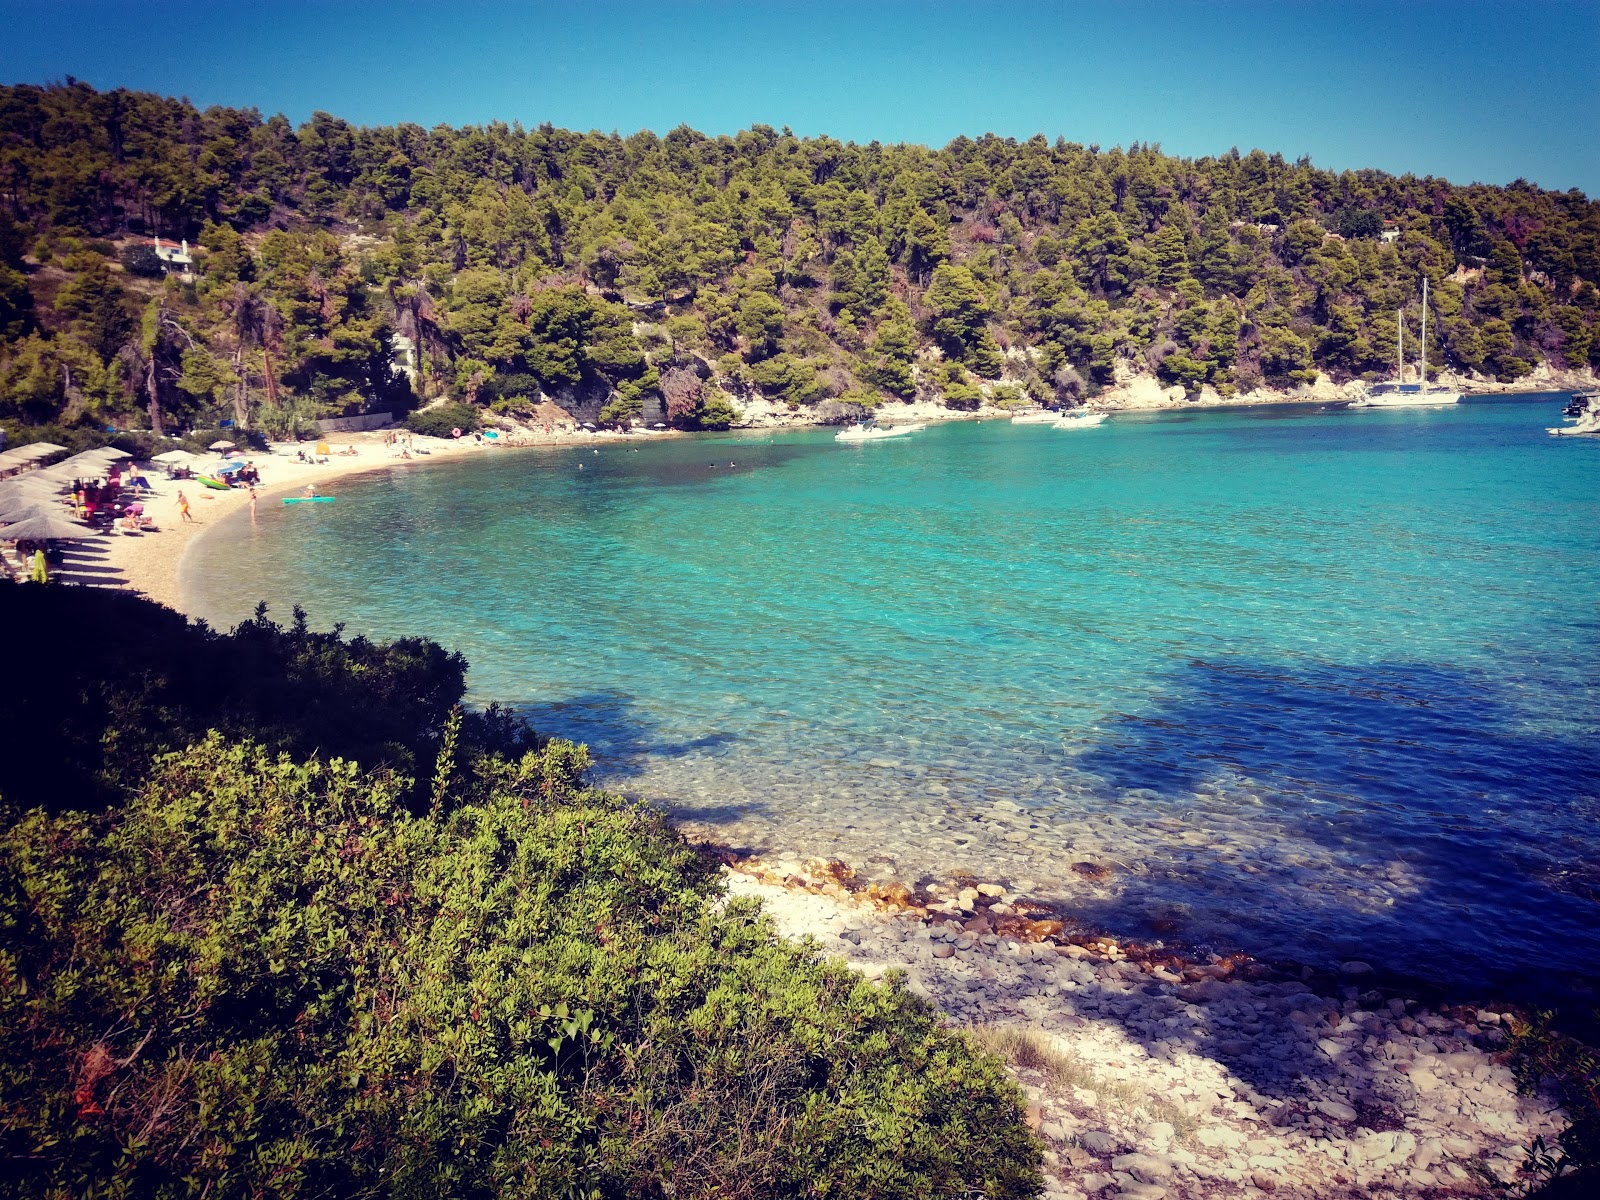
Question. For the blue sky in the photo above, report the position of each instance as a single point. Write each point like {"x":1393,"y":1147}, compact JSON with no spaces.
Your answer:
{"x":1468,"y":90}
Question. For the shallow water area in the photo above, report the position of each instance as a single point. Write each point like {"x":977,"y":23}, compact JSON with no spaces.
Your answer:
{"x":1313,"y":682}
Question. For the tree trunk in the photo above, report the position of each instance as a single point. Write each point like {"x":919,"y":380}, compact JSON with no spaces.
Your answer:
{"x":272,"y":384}
{"x":154,"y":394}
{"x":241,"y":392}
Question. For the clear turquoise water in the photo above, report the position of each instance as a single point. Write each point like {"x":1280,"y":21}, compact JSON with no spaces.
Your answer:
{"x":1319,"y":683}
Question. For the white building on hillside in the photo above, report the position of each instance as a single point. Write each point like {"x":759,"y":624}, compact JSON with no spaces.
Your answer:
{"x":174,"y":256}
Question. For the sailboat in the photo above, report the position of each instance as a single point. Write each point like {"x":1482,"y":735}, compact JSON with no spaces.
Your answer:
{"x":1396,"y":392}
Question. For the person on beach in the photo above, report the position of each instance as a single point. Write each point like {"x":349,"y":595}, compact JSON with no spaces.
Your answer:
{"x":183,"y":508}
{"x":252,"y":504}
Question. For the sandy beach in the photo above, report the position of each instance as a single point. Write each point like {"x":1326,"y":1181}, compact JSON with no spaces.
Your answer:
{"x":148,"y":564}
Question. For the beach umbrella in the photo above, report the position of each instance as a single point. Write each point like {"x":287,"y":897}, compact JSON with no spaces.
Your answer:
{"x":175,"y":456}
{"x":15,"y":498}
{"x":35,"y":482}
{"x":37,"y":450}
{"x":31,"y":453}
{"x":106,"y":454}
{"x":87,"y":463}
{"x":23,"y":509}
{"x":222,"y":444}
{"x":44,"y":528}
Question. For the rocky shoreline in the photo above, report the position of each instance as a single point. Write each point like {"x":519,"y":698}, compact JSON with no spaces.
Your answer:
{"x":1152,"y":1075}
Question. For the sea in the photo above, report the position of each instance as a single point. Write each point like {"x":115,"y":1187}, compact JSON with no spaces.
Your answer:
{"x":1314,"y":683}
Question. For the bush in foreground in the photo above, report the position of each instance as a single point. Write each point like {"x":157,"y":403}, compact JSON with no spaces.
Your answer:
{"x":105,"y":681}
{"x":248,"y":970}
{"x":257,"y":978}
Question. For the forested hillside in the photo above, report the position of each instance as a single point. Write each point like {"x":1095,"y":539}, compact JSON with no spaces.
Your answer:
{"x":694,"y":271}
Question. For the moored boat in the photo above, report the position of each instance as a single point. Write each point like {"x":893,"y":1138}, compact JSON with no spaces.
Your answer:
{"x":1080,"y":420}
{"x":1041,"y":416}
{"x":861,"y":432}
{"x":1584,"y":411}
{"x":1396,"y":392}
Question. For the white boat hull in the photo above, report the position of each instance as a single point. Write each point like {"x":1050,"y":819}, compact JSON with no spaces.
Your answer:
{"x":858,"y":434}
{"x":1408,"y":400}
{"x":1036,"y":418}
{"x":1080,"y":421}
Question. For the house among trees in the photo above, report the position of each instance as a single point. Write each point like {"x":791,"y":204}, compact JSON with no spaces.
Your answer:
{"x":1391,"y":232}
{"x":405,"y":354}
{"x":174,"y":256}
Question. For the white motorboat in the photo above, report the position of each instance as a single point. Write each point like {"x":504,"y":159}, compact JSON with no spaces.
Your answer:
{"x":861,"y":432}
{"x":1396,"y":392}
{"x":1585,"y":413}
{"x":1042,"y":416}
{"x":1082,"y":420}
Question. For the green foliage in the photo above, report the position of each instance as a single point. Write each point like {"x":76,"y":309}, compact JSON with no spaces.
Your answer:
{"x":1541,"y":1055}
{"x":140,"y":258}
{"x":716,"y":411}
{"x":442,"y":419}
{"x":114,"y":679}
{"x":960,"y":316}
{"x":270,"y":973}
{"x":893,"y":353}
{"x":760,"y":323}
{"x":958,"y":390}
{"x":787,"y":378}
{"x":500,"y":250}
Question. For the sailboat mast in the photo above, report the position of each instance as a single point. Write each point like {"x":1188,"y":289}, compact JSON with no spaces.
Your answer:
{"x":1422,"y":353}
{"x":1400,"y":327}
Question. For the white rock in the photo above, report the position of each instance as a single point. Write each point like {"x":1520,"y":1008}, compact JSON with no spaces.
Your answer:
{"x":1160,"y":1134}
{"x":1422,"y":1079}
{"x":1219,"y":1136}
{"x":1144,"y":1167}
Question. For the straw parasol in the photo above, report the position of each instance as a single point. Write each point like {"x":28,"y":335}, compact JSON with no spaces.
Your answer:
{"x":32,"y":452}
{"x":175,"y":456}
{"x":16,"y":493}
{"x":222,"y":444}
{"x":21,"y":510}
{"x":43,"y":528}
{"x":34,"y":481}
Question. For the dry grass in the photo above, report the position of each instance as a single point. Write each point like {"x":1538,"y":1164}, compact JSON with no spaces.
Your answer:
{"x":1030,"y":1050}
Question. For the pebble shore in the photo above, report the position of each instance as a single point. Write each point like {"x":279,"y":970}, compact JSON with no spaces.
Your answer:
{"x":1153,"y":1077}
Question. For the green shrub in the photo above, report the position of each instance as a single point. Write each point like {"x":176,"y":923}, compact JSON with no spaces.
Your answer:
{"x":716,"y":410}
{"x":260,"y":978}
{"x":439,"y":420}
{"x":959,"y":391}
{"x":265,"y":972}
{"x":140,"y":258}
{"x":1541,"y":1054}
{"x":114,"y":679}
